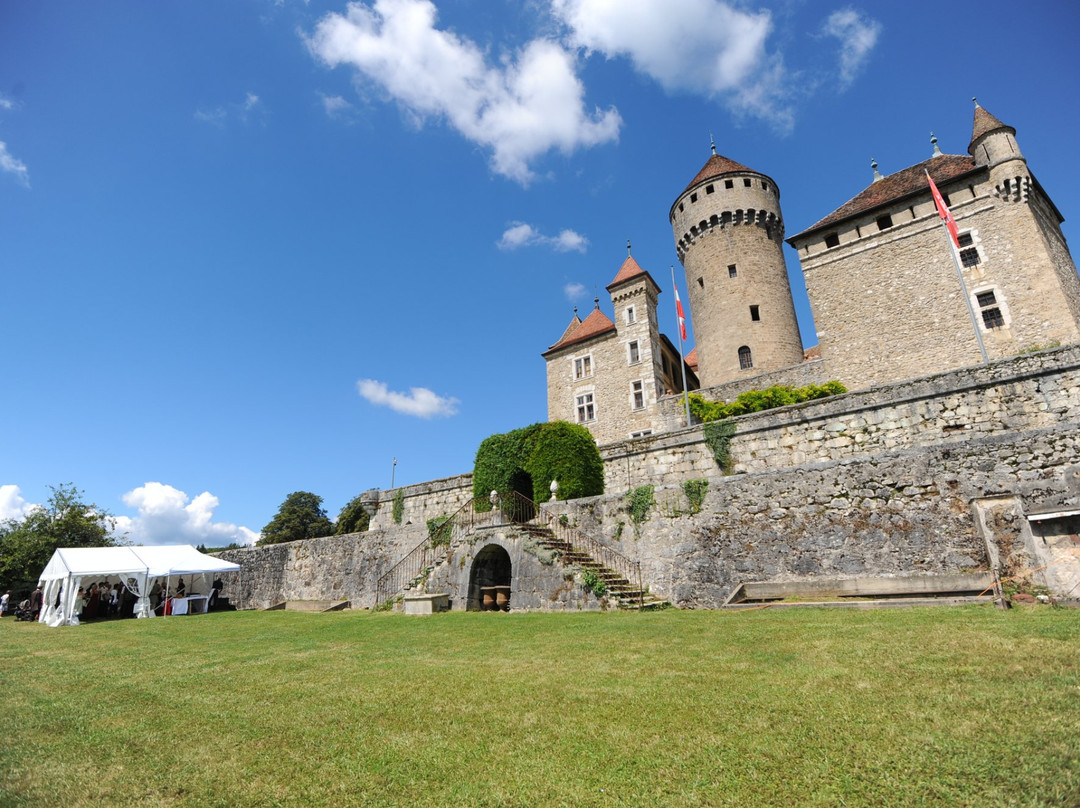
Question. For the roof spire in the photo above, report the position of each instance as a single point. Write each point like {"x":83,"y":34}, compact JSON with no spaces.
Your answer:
{"x":596,"y":301}
{"x":628,"y":247}
{"x":712,"y":142}
{"x":877,"y":174}
{"x":976,"y":101}
{"x":937,"y":151}
{"x":575,"y":311}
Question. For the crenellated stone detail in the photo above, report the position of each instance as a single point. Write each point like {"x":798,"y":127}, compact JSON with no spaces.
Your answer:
{"x":765,"y":219}
{"x":1014,"y":189}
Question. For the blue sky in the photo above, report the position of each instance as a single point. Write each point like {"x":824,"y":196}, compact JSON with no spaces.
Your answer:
{"x":254,"y":247}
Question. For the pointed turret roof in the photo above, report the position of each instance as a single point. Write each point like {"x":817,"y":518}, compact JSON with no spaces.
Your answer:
{"x":629,"y":269}
{"x":984,"y":122}
{"x":716,"y":166}
{"x":575,"y":321}
{"x":594,"y":325}
{"x":887,"y":190}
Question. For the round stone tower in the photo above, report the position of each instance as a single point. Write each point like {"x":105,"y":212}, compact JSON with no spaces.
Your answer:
{"x":729,"y":236}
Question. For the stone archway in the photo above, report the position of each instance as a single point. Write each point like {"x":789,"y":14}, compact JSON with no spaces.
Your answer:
{"x":491,"y":568}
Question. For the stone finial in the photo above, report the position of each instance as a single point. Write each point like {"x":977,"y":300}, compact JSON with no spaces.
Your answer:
{"x":554,"y":490}
{"x":493,"y":497}
{"x":975,"y":101}
{"x":937,"y":151}
{"x":596,"y":302}
{"x":877,"y":174}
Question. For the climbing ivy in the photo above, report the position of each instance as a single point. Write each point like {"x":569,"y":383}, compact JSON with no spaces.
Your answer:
{"x":438,"y":530}
{"x":399,"y":505}
{"x":641,"y":502}
{"x":718,"y":439}
{"x":695,"y":493}
{"x":538,"y":453}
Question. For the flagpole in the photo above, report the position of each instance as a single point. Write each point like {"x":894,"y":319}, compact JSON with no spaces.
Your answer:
{"x":682,"y":363}
{"x":954,"y":249}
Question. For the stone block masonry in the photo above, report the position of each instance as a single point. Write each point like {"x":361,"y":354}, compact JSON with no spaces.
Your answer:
{"x":936,"y":475}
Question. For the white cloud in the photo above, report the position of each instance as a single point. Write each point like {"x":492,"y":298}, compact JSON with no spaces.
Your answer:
{"x":334,"y":105}
{"x":858,"y":35}
{"x":251,"y":106}
{"x":419,"y":401}
{"x":167,"y":516}
{"x":12,"y":504}
{"x":12,"y":165}
{"x":574,"y":291}
{"x":527,"y":105}
{"x":522,"y":234}
{"x":699,"y":46}
{"x":6,"y":103}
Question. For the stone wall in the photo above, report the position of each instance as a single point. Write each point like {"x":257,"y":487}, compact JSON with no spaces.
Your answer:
{"x":422,"y":501}
{"x":934,"y":475}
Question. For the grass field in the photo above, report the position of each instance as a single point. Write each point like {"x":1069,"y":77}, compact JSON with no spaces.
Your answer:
{"x":928,"y":707}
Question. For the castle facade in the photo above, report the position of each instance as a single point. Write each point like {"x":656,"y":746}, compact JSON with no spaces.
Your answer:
{"x":885,"y":292}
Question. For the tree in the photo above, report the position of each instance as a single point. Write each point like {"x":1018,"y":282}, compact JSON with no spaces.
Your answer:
{"x":353,"y":518}
{"x":301,"y":516}
{"x":65,"y":520}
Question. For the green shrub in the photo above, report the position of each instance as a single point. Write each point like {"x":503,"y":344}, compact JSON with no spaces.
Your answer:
{"x":591,"y":582}
{"x":641,"y":502}
{"x":759,"y":400}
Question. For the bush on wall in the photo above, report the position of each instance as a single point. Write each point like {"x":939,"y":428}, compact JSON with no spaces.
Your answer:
{"x":548,"y":451}
{"x":758,"y":400}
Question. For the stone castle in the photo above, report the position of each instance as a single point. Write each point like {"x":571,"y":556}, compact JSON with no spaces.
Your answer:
{"x":884,"y":291}
{"x":940,"y":472}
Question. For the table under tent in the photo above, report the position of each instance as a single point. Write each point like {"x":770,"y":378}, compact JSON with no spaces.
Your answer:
{"x":141,"y":571}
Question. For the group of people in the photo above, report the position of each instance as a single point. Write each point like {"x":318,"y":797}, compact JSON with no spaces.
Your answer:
{"x":101,"y":601}
{"x":28,"y":608}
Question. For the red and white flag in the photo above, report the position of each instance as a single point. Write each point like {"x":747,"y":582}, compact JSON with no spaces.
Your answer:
{"x":682,"y":317}
{"x":943,"y":212}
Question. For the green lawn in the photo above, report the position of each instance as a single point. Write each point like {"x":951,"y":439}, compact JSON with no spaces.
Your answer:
{"x":928,"y":707}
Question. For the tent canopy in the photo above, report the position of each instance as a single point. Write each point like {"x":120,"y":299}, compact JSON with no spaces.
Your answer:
{"x":179,"y":559}
{"x":136,"y":567}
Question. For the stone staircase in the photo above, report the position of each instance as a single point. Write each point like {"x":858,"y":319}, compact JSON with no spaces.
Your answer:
{"x":626,"y":595}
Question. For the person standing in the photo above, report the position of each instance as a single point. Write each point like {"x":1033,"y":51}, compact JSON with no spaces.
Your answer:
{"x":4,"y":603}
{"x":36,"y":598}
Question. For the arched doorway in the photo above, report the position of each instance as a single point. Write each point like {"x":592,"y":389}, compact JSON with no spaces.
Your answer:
{"x":491,"y":574}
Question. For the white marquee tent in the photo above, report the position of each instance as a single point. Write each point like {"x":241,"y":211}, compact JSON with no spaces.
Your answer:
{"x":136,"y":567}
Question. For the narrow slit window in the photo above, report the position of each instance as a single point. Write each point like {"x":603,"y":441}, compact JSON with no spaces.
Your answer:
{"x":732,"y":271}
{"x":755,"y":314}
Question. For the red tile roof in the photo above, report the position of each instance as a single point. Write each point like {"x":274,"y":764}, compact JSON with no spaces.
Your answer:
{"x":574,"y":323}
{"x":691,"y":360}
{"x":594,"y":325}
{"x":715,"y":167}
{"x":886,"y":191}
{"x":629,"y":269}
{"x":984,"y":122}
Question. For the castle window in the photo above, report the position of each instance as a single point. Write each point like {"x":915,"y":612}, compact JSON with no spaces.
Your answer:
{"x":631,"y":315}
{"x":680,"y":207}
{"x":585,"y":409}
{"x":746,"y":182}
{"x":884,"y":222}
{"x":643,"y":433}
{"x":637,"y":392}
{"x":583,"y":367}
{"x":746,"y":361}
{"x":832,"y":240}
{"x":991,"y":312}
{"x":969,"y":253}
{"x":732,"y":271}
{"x":755,"y":314}
{"x":709,"y":189}
{"x":764,"y":185}
{"x":634,"y":352}
{"x":729,"y":183}
{"x":701,"y":282}
{"x":693,"y":197}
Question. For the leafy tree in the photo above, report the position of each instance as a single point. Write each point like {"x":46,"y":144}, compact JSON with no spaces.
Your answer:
{"x":27,"y":544}
{"x":301,"y":516}
{"x":352,"y":518}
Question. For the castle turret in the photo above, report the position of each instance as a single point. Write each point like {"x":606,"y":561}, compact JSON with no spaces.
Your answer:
{"x":729,"y":235}
{"x":993,"y":144}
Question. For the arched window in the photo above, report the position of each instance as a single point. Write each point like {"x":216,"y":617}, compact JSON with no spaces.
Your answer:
{"x":746,"y":362}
